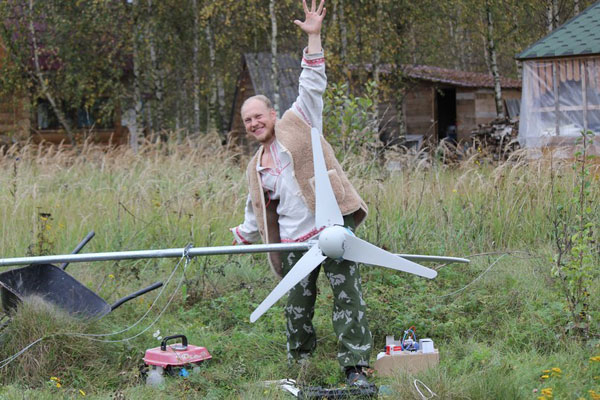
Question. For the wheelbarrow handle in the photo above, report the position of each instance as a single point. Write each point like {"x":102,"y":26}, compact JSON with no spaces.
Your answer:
{"x":136,"y":294}
{"x":85,"y":240}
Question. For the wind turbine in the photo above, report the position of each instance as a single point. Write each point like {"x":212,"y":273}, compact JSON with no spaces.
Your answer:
{"x":335,"y":241}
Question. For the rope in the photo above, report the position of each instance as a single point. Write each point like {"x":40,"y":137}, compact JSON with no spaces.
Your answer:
{"x":92,"y":337}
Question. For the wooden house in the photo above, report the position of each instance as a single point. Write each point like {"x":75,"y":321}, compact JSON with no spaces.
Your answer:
{"x":438,"y":101}
{"x":561,"y":85}
{"x":23,"y":118}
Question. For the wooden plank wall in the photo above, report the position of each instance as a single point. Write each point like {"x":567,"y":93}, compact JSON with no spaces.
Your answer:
{"x":465,"y":112}
{"x":15,"y":118}
{"x":419,"y":111}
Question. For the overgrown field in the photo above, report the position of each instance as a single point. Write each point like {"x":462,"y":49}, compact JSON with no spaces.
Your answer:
{"x":502,"y":323}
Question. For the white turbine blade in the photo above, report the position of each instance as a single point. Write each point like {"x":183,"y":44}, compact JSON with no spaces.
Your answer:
{"x":327,"y":211}
{"x":301,"y":269}
{"x":441,"y":259}
{"x":358,"y":250}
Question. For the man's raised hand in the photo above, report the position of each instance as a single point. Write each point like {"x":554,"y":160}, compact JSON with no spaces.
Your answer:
{"x":313,"y":18}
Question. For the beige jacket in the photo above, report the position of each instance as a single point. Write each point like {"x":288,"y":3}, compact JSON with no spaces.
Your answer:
{"x":294,"y":136}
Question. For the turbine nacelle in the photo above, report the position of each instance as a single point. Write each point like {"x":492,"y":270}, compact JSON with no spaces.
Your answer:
{"x":332,"y":240}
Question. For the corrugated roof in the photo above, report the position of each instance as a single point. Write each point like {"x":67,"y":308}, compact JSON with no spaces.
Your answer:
{"x":447,"y":76}
{"x":577,"y":37}
{"x":259,"y":67}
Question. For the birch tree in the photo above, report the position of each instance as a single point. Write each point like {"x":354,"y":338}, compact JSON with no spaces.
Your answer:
{"x":196,"y":67}
{"x":493,"y":60}
{"x":274,"y":62}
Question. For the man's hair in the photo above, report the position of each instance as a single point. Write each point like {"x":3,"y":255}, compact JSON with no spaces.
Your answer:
{"x":260,"y":97}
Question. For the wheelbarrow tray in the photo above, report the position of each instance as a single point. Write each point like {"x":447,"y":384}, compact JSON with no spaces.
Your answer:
{"x":55,"y":286}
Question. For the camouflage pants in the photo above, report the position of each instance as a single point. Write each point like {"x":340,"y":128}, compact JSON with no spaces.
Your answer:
{"x":349,"y":319}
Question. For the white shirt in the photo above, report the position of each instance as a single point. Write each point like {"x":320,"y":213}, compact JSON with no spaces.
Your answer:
{"x":296,"y":221}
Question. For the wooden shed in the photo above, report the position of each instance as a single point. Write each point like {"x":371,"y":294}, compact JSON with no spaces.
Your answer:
{"x":561,"y":84}
{"x":255,"y":78}
{"x":442,"y":102}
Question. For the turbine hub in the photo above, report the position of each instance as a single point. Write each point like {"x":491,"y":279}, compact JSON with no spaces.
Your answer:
{"x":331,"y":241}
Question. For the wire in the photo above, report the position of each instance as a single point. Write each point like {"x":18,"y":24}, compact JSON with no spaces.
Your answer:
{"x":431,"y":394}
{"x":185,"y":256}
{"x":474,"y":280}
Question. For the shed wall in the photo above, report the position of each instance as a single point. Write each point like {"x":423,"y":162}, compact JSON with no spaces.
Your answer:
{"x":419,"y":111}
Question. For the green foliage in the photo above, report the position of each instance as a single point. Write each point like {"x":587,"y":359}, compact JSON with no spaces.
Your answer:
{"x":576,"y":227}
{"x":350,"y":121}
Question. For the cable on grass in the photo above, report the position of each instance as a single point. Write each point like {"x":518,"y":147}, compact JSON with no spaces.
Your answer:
{"x":92,"y":337}
{"x":184,"y":256}
{"x":430,"y":393}
{"x":474,"y":280}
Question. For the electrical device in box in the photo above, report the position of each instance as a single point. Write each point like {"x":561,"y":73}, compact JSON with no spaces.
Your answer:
{"x":166,"y":359}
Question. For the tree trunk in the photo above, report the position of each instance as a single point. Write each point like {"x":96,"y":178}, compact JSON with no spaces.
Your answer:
{"x":157,"y":72}
{"x":549,"y":16}
{"x":493,"y":62}
{"x":343,"y":42}
{"x":196,"y":66}
{"x":134,"y":130}
{"x":274,"y":63}
{"x":43,"y":82}
{"x":217,"y":94}
{"x":377,"y":64}
{"x":556,"y":12}
{"x":576,"y":9}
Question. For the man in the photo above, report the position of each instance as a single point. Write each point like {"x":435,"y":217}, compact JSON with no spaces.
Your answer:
{"x":280,"y":208}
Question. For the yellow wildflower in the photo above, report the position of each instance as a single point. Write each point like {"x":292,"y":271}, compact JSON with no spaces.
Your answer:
{"x":594,"y":395}
{"x":111,"y":276}
{"x":58,"y":385}
{"x":557,"y":370}
{"x":595,"y":358}
{"x":81,"y":392}
{"x":547,"y":391}
{"x":545,"y":376}
{"x":454,"y":190}
{"x":54,"y":378}
{"x":546,"y":371}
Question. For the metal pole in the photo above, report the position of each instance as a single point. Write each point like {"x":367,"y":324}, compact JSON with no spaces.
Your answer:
{"x":162,"y":253}
{"x":194,"y":252}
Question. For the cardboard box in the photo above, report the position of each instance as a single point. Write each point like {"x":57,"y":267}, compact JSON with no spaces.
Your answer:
{"x":407,"y":361}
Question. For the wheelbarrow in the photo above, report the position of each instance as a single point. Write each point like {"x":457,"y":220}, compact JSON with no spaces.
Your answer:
{"x":54,"y":285}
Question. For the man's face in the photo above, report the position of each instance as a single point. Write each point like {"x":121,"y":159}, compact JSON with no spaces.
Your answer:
{"x":259,"y":120}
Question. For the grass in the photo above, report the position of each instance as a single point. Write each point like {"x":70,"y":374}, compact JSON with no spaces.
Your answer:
{"x":499,"y":322}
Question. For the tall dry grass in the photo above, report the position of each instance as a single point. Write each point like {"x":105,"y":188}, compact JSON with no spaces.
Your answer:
{"x":171,"y":195}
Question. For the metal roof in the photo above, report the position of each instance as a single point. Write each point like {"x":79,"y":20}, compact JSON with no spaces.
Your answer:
{"x":577,"y":37}
{"x":457,"y":77}
{"x":452,"y":77}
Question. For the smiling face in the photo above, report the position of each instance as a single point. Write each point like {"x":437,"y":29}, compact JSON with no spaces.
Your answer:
{"x":259,"y":120}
